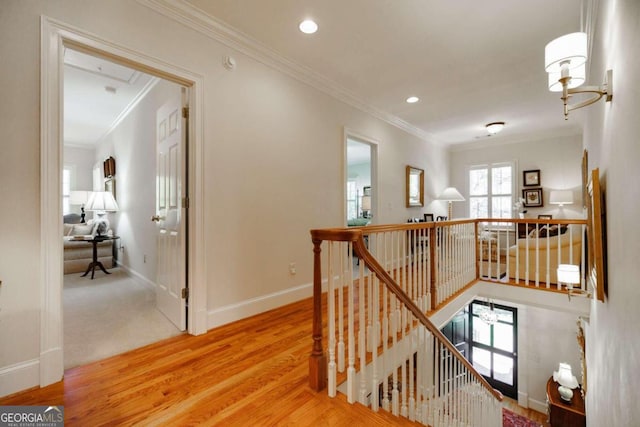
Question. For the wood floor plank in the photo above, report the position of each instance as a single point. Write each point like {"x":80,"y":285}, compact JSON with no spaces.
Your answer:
{"x":253,"y":372}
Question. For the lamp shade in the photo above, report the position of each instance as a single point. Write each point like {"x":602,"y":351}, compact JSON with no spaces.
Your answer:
{"x":366,"y":203}
{"x":561,"y":197}
{"x":450,"y":194}
{"x":78,"y":197}
{"x":564,"y":376}
{"x":102,"y":201}
{"x":568,"y":273}
{"x":569,"y":50}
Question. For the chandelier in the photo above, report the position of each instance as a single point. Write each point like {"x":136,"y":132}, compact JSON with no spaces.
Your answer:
{"x":489,"y":315}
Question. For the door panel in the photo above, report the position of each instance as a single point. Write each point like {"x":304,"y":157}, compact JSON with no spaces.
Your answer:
{"x":494,"y":346}
{"x":171,"y":276}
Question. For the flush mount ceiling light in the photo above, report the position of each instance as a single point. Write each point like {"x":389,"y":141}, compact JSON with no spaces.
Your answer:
{"x":494,"y":127}
{"x":308,"y":26}
{"x":412,"y":99}
{"x":565,"y":60}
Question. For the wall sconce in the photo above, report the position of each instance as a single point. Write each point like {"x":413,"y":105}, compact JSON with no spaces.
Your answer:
{"x":569,"y":275}
{"x":564,"y":60}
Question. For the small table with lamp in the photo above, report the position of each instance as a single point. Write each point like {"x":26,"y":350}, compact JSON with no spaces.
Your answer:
{"x":563,"y":413}
{"x":95,"y":262}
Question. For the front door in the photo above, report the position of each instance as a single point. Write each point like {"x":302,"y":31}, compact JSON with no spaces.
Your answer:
{"x":171,"y":293}
{"x":494,"y":346}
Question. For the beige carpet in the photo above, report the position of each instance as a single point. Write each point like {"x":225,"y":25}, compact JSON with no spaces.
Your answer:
{"x":109,"y":315}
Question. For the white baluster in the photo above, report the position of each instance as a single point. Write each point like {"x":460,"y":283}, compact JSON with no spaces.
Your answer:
{"x":362,"y":342}
{"x":374,"y":356}
{"x":345,"y":275}
{"x":351,"y":355}
{"x":331,"y":320}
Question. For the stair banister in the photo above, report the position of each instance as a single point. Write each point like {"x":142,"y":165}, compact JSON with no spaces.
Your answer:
{"x":383,"y":276}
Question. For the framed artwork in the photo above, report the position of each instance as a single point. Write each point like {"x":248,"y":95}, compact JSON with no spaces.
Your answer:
{"x":531,"y":178}
{"x":585,"y":179}
{"x":545,"y":216}
{"x":596,"y":264}
{"x":109,"y":167}
{"x":110,"y":186}
{"x":414,"y":187}
{"x":532,"y":197}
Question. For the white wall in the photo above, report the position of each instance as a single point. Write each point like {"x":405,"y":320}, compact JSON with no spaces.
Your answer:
{"x":273,"y":150}
{"x":559,"y":159}
{"x":82,"y":160}
{"x":611,"y":135}
{"x":550,"y":339}
{"x":132,"y":145}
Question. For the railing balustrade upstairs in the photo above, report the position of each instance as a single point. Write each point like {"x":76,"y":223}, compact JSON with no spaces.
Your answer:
{"x":381,"y":281}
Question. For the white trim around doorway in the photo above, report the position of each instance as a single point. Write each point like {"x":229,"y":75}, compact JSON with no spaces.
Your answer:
{"x":55,"y":36}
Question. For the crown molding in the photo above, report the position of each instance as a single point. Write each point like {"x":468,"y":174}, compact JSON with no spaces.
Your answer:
{"x":194,"y":18}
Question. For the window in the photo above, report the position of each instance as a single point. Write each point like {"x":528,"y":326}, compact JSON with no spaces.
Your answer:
{"x":352,"y":200}
{"x":491,"y":189}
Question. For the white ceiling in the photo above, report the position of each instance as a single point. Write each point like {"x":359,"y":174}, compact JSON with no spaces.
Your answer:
{"x":471,"y":62}
{"x":97,"y":95}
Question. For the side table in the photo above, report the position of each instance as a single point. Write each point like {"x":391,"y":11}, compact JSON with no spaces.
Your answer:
{"x":565,"y":413}
{"x":95,"y":263}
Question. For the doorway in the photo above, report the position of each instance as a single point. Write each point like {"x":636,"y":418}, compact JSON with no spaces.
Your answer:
{"x":110,"y":113}
{"x":494,"y":343}
{"x":360,"y":188}
{"x":57,"y":36}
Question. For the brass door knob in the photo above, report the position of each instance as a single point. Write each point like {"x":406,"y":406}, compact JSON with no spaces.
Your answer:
{"x":155,"y":218}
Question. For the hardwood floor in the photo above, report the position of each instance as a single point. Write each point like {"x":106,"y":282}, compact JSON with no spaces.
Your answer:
{"x":251,"y":372}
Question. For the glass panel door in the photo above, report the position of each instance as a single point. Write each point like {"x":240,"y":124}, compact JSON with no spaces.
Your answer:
{"x":494,"y":345}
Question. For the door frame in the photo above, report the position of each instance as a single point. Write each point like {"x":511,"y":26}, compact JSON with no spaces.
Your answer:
{"x":351,"y":134}
{"x":55,"y":35}
{"x":513,"y":389}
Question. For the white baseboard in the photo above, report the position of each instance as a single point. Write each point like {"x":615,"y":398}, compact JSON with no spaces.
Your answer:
{"x":135,"y":274}
{"x":231,"y":313}
{"x":536,"y":405}
{"x":18,"y":377}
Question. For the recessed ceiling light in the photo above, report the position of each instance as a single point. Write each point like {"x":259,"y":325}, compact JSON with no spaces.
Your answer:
{"x":308,"y":26}
{"x":413,"y":99}
{"x":494,"y":127}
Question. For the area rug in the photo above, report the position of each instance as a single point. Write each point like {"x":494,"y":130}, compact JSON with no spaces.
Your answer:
{"x":511,"y":419}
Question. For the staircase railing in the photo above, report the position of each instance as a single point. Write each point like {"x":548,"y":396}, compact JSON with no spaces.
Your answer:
{"x":381,"y":345}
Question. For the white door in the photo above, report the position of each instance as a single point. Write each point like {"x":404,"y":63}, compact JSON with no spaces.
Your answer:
{"x":171,"y":294}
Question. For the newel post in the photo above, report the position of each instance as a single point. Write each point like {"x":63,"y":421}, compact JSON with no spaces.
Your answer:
{"x":317,"y":359}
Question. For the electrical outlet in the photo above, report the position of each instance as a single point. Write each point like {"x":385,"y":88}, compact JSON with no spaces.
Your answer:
{"x":292,"y":268}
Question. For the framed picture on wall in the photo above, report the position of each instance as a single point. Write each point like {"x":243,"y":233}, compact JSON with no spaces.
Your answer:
{"x":110,"y":186}
{"x":531,"y":178}
{"x":532,"y":197}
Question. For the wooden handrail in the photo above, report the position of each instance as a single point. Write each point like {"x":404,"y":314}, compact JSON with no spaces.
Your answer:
{"x":355,"y":235}
{"x":373,"y":265}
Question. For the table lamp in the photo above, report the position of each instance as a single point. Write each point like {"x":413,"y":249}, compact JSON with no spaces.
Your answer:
{"x":567,"y":381}
{"x":102,"y":202}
